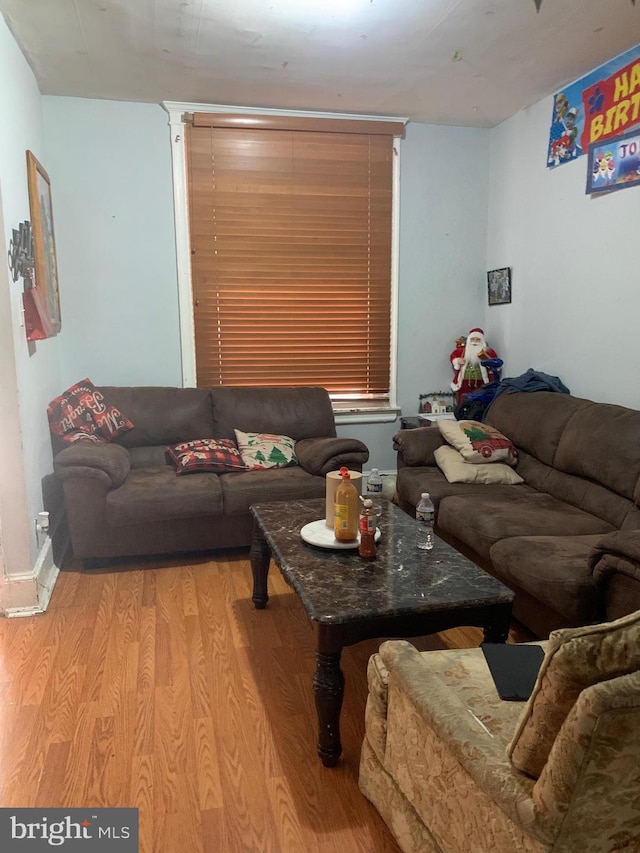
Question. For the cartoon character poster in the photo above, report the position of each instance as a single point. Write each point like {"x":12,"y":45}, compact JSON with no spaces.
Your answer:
{"x":602,"y":105}
{"x":614,"y":164}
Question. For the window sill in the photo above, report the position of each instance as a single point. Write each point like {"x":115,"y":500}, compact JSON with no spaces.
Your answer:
{"x":366,"y":415}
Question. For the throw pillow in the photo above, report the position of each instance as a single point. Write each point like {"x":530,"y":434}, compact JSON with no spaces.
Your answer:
{"x":206,"y":454}
{"x":478,"y":442}
{"x":263,"y":450}
{"x":81,"y":410}
{"x":575,"y":658}
{"x":456,"y":470}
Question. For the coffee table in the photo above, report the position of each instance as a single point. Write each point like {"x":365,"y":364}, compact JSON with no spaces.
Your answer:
{"x":404,"y":592}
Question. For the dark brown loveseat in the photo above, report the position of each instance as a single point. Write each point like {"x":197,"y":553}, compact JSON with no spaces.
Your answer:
{"x":567,"y":540}
{"x":125,"y":499}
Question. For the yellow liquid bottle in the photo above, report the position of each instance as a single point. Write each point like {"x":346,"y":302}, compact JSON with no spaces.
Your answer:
{"x":345,"y":509}
{"x":367,"y":525}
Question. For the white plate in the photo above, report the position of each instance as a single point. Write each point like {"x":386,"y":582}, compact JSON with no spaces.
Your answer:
{"x":317,"y":533}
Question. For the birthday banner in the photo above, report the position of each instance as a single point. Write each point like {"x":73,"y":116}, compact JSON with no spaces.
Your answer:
{"x":614,"y":164}
{"x":603,"y":105}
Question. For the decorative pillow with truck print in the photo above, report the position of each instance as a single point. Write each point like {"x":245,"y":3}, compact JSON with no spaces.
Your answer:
{"x":478,"y":442}
{"x":263,"y":450}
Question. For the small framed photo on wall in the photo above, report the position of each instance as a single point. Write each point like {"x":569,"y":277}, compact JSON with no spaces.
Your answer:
{"x":499,"y":286}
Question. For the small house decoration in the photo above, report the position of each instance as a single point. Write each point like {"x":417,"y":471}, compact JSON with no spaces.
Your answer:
{"x":436,"y":402}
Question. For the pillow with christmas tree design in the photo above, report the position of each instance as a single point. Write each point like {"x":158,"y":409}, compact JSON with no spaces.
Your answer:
{"x":263,"y":450}
{"x":478,"y":442}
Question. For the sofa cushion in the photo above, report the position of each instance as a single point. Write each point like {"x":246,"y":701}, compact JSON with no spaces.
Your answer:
{"x":481,"y":523}
{"x":534,"y":421}
{"x":82,"y":413}
{"x":411,"y":482}
{"x":478,"y":442}
{"x":156,"y":494}
{"x":241,"y":489}
{"x":301,"y":412}
{"x":584,"y":493}
{"x":576,"y":658}
{"x":600,"y":443}
{"x":453,"y":465}
{"x":163,"y":415}
{"x":265,"y":450}
{"x":552,"y":569}
{"x":154,"y":456}
{"x":206,"y":454}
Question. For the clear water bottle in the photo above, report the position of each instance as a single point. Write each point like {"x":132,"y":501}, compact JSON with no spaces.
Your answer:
{"x":374,"y":482}
{"x":425,"y":514}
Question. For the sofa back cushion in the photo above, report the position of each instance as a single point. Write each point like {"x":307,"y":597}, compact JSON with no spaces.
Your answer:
{"x":580,"y":492}
{"x":589,"y":451}
{"x":162,"y":416}
{"x":575,"y":659}
{"x":534,"y":421}
{"x":600,"y":442}
{"x":299,"y":412}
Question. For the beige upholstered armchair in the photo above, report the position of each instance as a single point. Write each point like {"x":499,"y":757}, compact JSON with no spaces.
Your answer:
{"x":451,"y":767}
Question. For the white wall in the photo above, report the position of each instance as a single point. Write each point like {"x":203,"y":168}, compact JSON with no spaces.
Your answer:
{"x":34,"y":377}
{"x":574,"y":260}
{"x":443,"y":234}
{"x":110,"y":167}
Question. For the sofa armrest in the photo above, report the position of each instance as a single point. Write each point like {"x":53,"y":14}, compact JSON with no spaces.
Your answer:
{"x":109,"y":463}
{"x":615,"y":564}
{"x":321,"y":455}
{"x":445,"y":712}
{"x":415,"y":447}
{"x":620,"y":543}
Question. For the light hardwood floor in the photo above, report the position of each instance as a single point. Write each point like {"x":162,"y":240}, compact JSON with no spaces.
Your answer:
{"x":160,"y":686}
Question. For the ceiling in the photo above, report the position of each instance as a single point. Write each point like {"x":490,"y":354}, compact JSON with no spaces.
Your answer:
{"x":459,"y":62}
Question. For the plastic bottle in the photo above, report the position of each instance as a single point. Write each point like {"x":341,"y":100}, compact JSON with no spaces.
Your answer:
{"x":345,"y":509}
{"x":374,"y":482}
{"x":425,"y":514}
{"x":367,"y":527}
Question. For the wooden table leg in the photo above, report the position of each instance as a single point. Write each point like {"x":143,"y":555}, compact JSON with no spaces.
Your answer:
{"x":260,"y":556}
{"x":328,"y":688}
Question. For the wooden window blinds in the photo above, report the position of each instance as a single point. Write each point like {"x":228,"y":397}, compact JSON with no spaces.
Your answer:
{"x":291,"y":255}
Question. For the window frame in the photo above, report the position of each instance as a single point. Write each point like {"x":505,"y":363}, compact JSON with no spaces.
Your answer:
{"x":349,"y":412}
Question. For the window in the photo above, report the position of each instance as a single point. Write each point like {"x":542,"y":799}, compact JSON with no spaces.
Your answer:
{"x":291,"y":252}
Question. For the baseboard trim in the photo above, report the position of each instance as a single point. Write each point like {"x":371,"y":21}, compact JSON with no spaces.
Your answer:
{"x":45,"y":573}
{"x":29,"y":594}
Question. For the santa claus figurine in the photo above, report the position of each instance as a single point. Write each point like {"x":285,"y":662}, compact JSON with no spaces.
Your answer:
{"x":466,"y":360}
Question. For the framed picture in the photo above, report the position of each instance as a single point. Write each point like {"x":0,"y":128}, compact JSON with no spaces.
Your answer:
{"x":44,"y":245}
{"x":499,"y":286}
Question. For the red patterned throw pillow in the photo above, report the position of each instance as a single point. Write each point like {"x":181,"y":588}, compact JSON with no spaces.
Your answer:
{"x":81,"y":414}
{"x":206,"y":454}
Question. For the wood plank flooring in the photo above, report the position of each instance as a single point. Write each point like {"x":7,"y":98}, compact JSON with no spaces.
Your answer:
{"x":158,"y":685}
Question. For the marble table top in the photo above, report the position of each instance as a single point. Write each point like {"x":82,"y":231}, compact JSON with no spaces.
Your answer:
{"x":340,"y":587}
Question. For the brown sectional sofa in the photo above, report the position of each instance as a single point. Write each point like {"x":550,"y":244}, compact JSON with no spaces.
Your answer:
{"x":125,"y":499}
{"x":567,"y":540}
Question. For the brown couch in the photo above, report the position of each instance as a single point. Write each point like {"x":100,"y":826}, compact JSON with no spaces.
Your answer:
{"x":124,"y":498}
{"x":567,"y":540}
